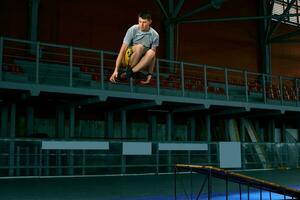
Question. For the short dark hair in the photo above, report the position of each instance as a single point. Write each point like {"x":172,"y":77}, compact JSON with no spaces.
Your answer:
{"x":145,"y":14}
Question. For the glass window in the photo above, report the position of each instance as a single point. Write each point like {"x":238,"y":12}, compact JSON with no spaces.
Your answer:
{"x":291,"y":18}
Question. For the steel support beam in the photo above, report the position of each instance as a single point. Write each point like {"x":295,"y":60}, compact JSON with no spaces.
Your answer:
{"x":13,"y":110}
{"x":109,"y":118}
{"x":265,"y":47}
{"x":123,"y":124}
{"x":169,"y":126}
{"x":30,"y":120}
{"x":60,"y":120}
{"x":4,"y":121}
{"x":34,"y":15}
{"x":192,"y":128}
{"x":285,"y":37}
{"x":72,"y":121}
{"x":281,"y":18}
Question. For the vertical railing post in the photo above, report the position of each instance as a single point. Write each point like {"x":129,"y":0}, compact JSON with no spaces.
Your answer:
{"x":157,"y":161}
{"x":83,"y":162}
{"x":264,"y":88}
{"x":131,"y":84}
{"x":260,"y":194}
{"x":205,"y":81}
{"x":191,"y":183}
{"x":157,"y":77}
{"x":226,"y":83}
{"x":175,"y":192}
{"x":281,"y":89}
{"x":36,"y":161}
{"x":226,"y":187}
{"x":246,"y":85}
{"x":18,"y":166}
{"x":71,"y":66}
{"x":248,"y":192}
{"x":37,"y":62}
{"x":40,"y":162}
{"x":102,"y":69}
{"x":182,"y":78}
{"x":27,"y":160}
{"x":209,"y":185}
{"x":240,"y":190}
{"x":1,"y":56}
{"x":297,"y":92}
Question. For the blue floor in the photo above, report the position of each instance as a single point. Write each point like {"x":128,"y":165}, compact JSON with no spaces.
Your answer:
{"x":232,"y":196}
{"x":145,"y":187}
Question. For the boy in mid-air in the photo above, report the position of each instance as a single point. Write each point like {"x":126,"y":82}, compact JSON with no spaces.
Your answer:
{"x":138,"y":50}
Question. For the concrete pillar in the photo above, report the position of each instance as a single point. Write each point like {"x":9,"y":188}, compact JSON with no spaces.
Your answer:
{"x":208,"y":127}
{"x":283,"y":132}
{"x":192,"y":128}
{"x":109,"y":121}
{"x":123,"y":124}
{"x":34,"y":14}
{"x":30,"y":120}
{"x":170,"y":35}
{"x":12,"y":133}
{"x":227,"y":137}
{"x":72,"y":121}
{"x":258,"y":132}
{"x":243,"y":140}
{"x":265,"y":46}
{"x":271,"y":130}
{"x":169,"y":126}
{"x":4,"y":121}
{"x":11,"y":158}
{"x":242,"y":130}
{"x":60,"y":121}
{"x":152,"y":127}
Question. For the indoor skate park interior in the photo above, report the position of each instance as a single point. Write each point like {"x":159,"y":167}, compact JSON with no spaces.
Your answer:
{"x":218,"y":119}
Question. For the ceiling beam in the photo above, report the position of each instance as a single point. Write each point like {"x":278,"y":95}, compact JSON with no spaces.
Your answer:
{"x":193,"y":12}
{"x":161,"y":6}
{"x":281,"y":17}
{"x":284,"y":37}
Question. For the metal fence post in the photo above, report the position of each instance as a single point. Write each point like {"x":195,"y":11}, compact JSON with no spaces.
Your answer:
{"x":71,"y":66}
{"x":37,"y":62}
{"x":157,"y":77}
{"x":102,"y":69}
{"x":182,"y":79}
{"x":1,"y":56}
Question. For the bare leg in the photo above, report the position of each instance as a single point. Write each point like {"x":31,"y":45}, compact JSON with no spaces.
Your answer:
{"x":151,"y":66}
{"x":136,"y":55}
{"x":147,"y":60}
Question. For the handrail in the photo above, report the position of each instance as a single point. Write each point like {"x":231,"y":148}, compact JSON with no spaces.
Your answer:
{"x":213,"y":82}
{"x":241,"y":179}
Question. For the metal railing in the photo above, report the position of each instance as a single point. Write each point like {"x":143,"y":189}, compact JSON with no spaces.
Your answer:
{"x":60,"y":65}
{"x":231,"y":177}
{"x":25,"y":157}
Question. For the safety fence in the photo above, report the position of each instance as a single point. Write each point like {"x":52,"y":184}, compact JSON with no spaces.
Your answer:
{"x":233,"y":183}
{"x":41,"y":63}
{"x":39,"y":157}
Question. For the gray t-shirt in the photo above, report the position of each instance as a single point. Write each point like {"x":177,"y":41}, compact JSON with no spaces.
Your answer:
{"x":149,"y":39}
